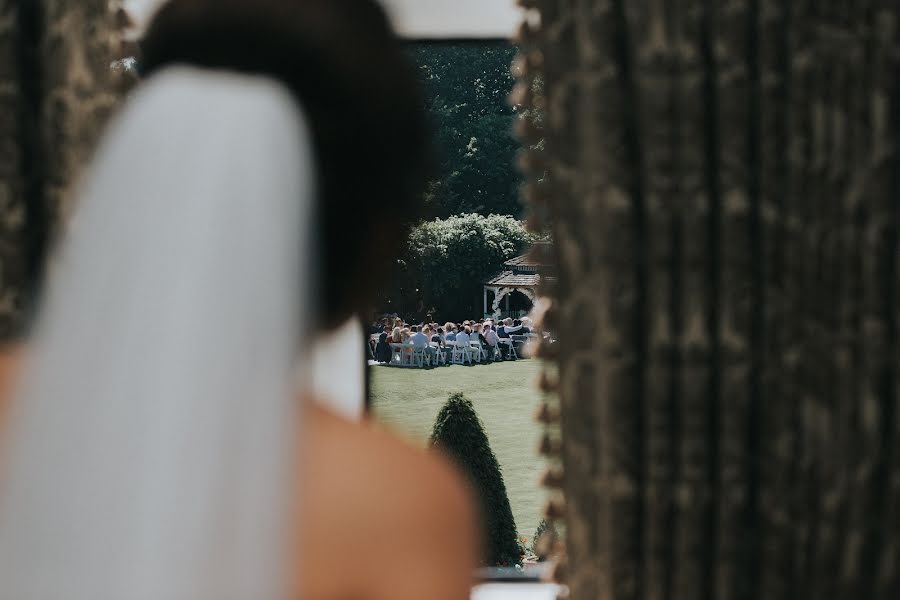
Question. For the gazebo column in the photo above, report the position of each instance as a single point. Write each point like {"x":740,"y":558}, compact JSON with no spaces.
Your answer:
{"x":485,"y":312}
{"x":499,"y":293}
{"x":507,"y":305}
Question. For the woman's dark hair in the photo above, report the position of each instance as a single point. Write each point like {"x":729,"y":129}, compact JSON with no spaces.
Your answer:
{"x":351,"y":75}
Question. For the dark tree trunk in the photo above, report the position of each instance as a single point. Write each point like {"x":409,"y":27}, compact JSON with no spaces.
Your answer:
{"x":725,"y":202}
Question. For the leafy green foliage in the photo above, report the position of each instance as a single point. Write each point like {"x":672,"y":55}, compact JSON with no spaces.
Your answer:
{"x":466,"y":88}
{"x":458,"y":432}
{"x":446,"y":262}
{"x":545,"y":528}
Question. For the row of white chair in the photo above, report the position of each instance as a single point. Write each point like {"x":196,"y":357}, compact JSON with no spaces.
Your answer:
{"x":409,"y":355}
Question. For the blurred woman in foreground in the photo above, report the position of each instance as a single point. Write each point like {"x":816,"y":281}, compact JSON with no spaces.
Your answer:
{"x":157,"y":448}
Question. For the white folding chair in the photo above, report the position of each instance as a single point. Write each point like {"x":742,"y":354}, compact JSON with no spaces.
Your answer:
{"x":396,"y":354}
{"x":447,"y":353}
{"x":407,"y":354}
{"x":511,"y":348}
{"x":476,"y":350}
{"x":419,"y":357}
{"x":460,"y":354}
{"x":402,"y":354}
{"x":440,"y":355}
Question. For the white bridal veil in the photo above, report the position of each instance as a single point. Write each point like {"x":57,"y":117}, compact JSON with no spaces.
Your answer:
{"x":152,"y":447}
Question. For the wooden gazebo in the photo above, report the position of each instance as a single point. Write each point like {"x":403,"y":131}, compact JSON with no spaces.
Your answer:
{"x":521,"y":274}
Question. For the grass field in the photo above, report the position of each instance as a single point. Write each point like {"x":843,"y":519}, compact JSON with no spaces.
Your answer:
{"x":408,"y":400}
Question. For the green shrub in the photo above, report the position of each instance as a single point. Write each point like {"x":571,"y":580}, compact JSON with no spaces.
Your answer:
{"x":545,"y":529}
{"x":446,"y":262}
{"x":458,"y":432}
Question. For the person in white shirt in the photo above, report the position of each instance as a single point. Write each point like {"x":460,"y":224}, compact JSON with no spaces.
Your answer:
{"x":462,"y":338}
{"x":510,"y":328}
{"x":490,"y":335}
{"x":421,"y":339}
{"x":418,"y":339}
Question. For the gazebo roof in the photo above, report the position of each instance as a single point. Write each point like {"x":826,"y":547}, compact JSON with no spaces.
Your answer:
{"x":522,"y":271}
{"x":515,"y":280}
{"x":530,"y":262}
{"x":524,"y":262}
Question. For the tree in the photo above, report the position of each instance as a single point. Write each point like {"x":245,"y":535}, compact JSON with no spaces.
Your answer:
{"x":727,"y":222}
{"x":466,"y":88}
{"x":458,"y":433}
{"x":446,"y":261}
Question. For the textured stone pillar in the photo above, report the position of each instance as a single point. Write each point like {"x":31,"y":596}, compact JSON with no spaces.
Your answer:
{"x":722,"y":180}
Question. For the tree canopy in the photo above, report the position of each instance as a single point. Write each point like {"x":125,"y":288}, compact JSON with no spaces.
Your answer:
{"x":446,"y":262}
{"x":466,"y":87}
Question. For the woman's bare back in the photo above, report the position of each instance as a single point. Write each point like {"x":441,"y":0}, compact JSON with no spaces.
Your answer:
{"x":379,"y":519}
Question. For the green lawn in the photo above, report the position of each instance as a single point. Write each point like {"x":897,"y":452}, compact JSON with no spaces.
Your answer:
{"x":504,"y":394}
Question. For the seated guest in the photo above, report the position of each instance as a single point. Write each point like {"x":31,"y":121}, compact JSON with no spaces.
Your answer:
{"x":422,"y":339}
{"x":501,"y":330}
{"x":502,"y":335}
{"x":451,"y":332}
{"x":490,"y":336}
{"x":476,"y":333}
{"x":477,"y":336}
{"x":462,"y":337}
{"x":511,"y":326}
{"x":517,"y":334}
{"x":505,"y":332}
{"x":404,"y":335}
{"x":396,"y":336}
{"x":438,"y":336}
{"x":526,"y":326}
{"x":418,"y":338}
{"x":383,"y":348}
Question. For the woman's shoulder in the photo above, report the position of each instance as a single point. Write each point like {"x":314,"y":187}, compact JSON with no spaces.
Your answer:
{"x":368,"y":447}
{"x":403,"y":511}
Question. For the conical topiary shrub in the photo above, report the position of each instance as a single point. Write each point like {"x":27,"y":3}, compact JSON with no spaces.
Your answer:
{"x":459,"y":433}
